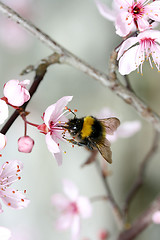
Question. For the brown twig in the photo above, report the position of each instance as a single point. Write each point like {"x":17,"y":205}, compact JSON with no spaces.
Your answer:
{"x":140,"y":178}
{"x":115,"y":207}
{"x":142,"y":222}
{"x":67,"y":57}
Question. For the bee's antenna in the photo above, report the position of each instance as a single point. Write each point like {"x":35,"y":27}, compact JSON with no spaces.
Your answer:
{"x":75,"y":110}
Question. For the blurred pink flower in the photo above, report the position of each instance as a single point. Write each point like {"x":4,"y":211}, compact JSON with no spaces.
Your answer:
{"x":9,"y":173}
{"x":5,"y":233}
{"x":156,"y":217}
{"x":72,"y":207}
{"x":135,"y":50}
{"x":131,"y":14}
{"x":125,"y":130}
{"x":16,"y":92}
{"x":52,"y":117}
{"x":3,"y":141}
{"x":25,"y":144}
{"x":3,"y":111}
{"x":12,"y":34}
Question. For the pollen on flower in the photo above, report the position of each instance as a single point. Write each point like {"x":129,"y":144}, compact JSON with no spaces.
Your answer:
{"x":22,"y":199}
{"x":9,"y":204}
{"x":25,"y":191}
{"x":13,"y":191}
{"x":19,"y":178}
{"x":65,"y":152}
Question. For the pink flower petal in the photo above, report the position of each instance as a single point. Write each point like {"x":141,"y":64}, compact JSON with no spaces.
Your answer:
{"x":51,"y":144}
{"x":1,"y":210}
{"x":9,"y":172}
{"x":126,"y":45}
{"x":58,"y":157}
{"x":3,"y":111}
{"x":153,"y":10}
{"x":14,"y":198}
{"x":70,"y":189}
{"x":75,"y":228}
{"x":84,"y":206}
{"x":156,"y":217}
{"x":64,"y":221}
{"x":60,"y":201}
{"x":54,"y":111}
{"x":127,"y":62}
{"x":105,"y":11}
{"x":16,"y":93}
{"x":127,"y":129}
{"x":123,"y":26}
{"x":5,"y":233}
{"x":3,"y":141}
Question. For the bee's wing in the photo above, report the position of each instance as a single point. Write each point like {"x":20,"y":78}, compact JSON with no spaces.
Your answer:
{"x":105,"y":150}
{"x":110,"y":124}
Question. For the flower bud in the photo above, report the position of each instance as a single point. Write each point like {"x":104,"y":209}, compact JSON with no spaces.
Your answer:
{"x":25,"y":144}
{"x":16,"y":92}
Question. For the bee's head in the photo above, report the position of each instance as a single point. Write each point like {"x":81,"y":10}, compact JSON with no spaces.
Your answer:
{"x":74,"y":125}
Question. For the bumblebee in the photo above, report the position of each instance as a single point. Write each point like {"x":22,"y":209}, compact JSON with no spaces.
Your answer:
{"x":91,"y":133}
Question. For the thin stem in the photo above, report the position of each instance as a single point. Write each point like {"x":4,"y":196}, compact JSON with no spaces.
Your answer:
{"x":141,"y":222}
{"x":140,"y":178}
{"x":115,"y":207}
{"x":67,"y":57}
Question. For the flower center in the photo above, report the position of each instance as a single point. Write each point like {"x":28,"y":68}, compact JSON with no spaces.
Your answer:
{"x":137,"y":10}
{"x":73,"y":208}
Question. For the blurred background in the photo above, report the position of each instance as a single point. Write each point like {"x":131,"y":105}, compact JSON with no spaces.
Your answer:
{"x":77,"y":26}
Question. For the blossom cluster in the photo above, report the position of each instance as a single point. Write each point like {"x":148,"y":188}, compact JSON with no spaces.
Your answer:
{"x":134,"y":21}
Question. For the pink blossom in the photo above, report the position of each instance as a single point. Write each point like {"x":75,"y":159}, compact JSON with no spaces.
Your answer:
{"x":52,"y":117}
{"x":135,"y":50}
{"x":125,"y":130}
{"x":25,"y":144}
{"x":72,"y":207}
{"x":129,"y":15}
{"x":3,"y":141}
{"x":16,"y":92}
{"x":136,"y":13}
{"x":9,"y":173}
{"x":156,"y":217}
{"x":5,"y":233}
{"x":3,"y":111}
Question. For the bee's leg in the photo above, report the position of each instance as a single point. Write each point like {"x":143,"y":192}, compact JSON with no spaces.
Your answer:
{"x":75,"y":142}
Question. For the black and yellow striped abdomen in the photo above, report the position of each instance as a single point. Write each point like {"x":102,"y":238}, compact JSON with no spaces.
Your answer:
{"x":92,"y":128}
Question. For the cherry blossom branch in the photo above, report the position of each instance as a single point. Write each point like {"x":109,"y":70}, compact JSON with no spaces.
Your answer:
{"x":140,"y":178}
{"x":109,"y":81}
{"x":142,"y":222}
{"x":40,"y":73}
{"x":117,"y":211}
